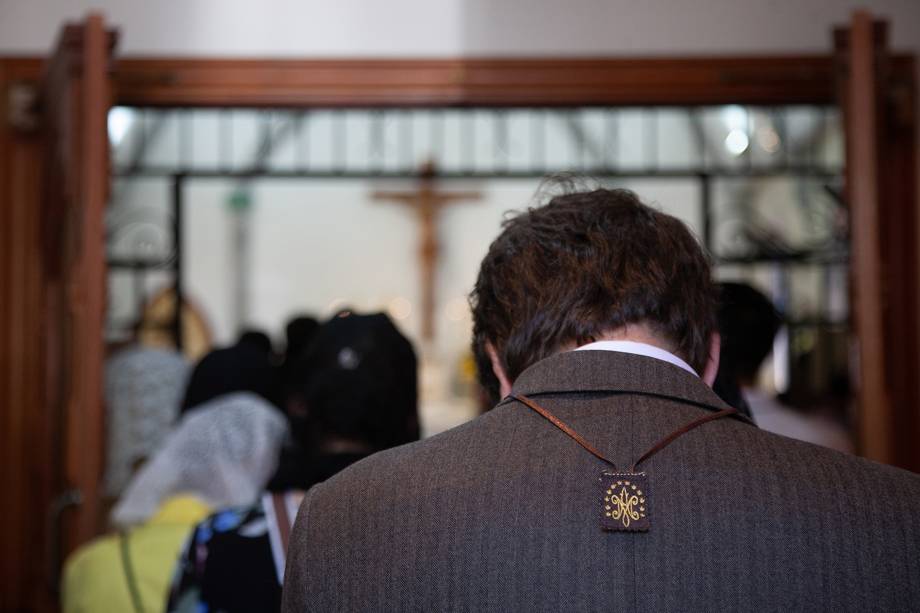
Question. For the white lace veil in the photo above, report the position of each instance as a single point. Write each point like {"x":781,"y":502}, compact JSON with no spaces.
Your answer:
{"x":143,"y":389}
{"x":224,"y":452}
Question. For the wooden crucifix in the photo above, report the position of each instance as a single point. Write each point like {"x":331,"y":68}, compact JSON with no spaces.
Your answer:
{"x":427,"y":202}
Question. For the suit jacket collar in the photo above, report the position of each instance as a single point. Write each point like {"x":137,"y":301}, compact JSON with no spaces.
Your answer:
{"x":615,"y":372}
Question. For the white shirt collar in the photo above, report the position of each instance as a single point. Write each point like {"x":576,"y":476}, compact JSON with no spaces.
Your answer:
{"x":639,"y":349}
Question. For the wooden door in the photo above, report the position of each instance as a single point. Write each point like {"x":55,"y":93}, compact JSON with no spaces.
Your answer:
{"x":27,"y":478}
{"x":879,"y":102}
{"x":75,"y":99}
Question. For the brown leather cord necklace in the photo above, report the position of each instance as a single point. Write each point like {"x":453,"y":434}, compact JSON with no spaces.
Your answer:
{"x":625,"y":497}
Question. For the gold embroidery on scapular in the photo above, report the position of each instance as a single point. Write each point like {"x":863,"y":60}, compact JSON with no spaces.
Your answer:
{"x":620,"y":506}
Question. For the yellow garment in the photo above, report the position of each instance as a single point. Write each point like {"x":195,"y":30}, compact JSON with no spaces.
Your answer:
{"x":94,"y":576}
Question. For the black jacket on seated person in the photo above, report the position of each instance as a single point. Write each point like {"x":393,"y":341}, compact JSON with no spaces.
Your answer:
{"x":503,"y":513}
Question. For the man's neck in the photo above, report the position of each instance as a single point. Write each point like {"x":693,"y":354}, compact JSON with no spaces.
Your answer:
{"x":636,"y":333}
{"x":638,"y":339}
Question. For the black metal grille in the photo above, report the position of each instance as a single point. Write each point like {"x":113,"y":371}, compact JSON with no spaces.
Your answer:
{"x":478,"y":143}
{"x":729,"y":152}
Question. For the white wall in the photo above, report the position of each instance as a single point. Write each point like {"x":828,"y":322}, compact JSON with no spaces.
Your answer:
{"x":296,"y":28}
{"x":278,"y":28}
{"x":655,"y":27}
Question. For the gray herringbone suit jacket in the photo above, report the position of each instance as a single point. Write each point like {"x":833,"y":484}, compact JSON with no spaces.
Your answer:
{"x":503,"y":513}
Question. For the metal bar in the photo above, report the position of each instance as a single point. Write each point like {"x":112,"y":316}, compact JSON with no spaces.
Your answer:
{"x":696,"y":125}
{"x":264,"y":146}
{"x":805,"y":258}
{"x":468,"y":146}
{"x":339,"y":144}
{"x":782,"y":127}
{"x":611,"y":140}
{"x":503,"y":159}
{"x":706,"y":210}
{"x":137,"y":290}
{"x":300,"y":149}
{"x":136,"y":264}
{"x":827,"y":324}
{"x":585,"y":147}
{"x":151,"y":126}
{"x":664,"y":173}
{"x":185,"y":126}
{"x":817,"y":156}
{"x":269,"y":140}
{"x":225,"y":138}
{"x":537,"y":141}
{"x":437,"y":136}
{"x":178,"y":181}
{"x":406,"y":146}
{"x":377,"y":139}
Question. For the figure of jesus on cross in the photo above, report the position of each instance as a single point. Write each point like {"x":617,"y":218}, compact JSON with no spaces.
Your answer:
{"x":427,"y":202}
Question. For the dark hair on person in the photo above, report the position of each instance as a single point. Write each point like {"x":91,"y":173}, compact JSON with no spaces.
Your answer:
{"x":257,"y":339}
{"x":299,"y":332}
{"x":359,"y":379}
{"x":748,"y":322}
{"x":585,"y":264}
{"x":240,"y":368}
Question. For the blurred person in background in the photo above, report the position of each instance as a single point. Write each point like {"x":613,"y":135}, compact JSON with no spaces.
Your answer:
{"x":143,"y":389}
{"x":259,"y":340}
{"x":221,"y":454}
{"x":357,"y":386}
{"x":243,"y":367}
{"x":748,"y":323}
{"x":299,"y":333}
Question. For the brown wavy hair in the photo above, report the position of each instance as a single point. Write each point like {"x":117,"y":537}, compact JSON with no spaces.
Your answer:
{"x":585,"y":264}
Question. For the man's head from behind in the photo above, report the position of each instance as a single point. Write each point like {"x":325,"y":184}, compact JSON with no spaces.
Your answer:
{"x":581,"y":268}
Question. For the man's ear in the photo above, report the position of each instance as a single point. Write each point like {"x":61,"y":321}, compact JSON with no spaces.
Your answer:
{"x":499,"y":370}
{"x":712,"y":365}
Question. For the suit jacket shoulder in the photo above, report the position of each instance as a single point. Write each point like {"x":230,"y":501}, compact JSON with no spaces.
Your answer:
{"x":503,"y":513}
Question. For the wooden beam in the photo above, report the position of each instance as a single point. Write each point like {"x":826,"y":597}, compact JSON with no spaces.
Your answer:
{"x":179,"y":82}
{"x":862,"y":189}
{"x":86,"y":420}
{"x":474,"y":82}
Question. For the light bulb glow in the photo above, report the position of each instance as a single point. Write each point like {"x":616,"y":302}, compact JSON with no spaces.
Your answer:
{"x":399,"y":308}
{"x":119,"y":122}
{"x":737,"y":142}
